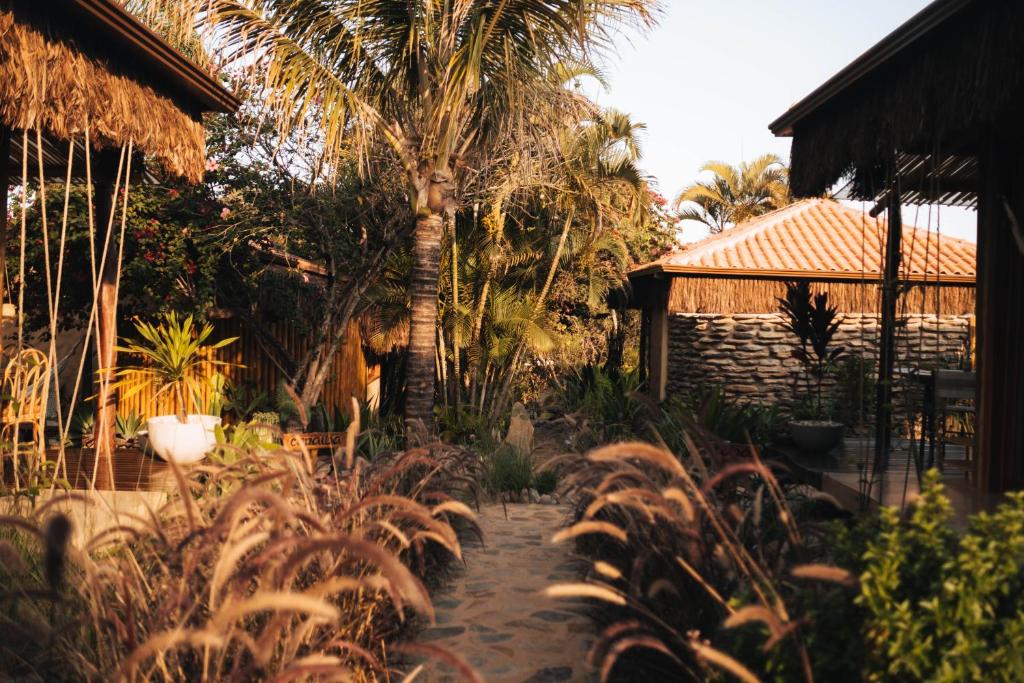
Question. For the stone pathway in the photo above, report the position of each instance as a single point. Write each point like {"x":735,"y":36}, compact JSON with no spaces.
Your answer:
{"x":493,"y":614}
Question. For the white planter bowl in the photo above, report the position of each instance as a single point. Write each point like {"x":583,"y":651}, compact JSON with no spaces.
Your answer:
{"x":179,"y":442}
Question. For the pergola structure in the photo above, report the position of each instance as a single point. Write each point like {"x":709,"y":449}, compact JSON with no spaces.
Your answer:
{"x":87,"y":93}
{"x":931,"y":114}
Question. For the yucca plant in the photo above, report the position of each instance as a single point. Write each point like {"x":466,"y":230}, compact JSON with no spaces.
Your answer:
{"x":172,"y":354}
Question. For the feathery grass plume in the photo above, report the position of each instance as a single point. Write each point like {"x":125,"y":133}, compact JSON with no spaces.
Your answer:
{"x":687,"y":551}
{"x":269,"y":568}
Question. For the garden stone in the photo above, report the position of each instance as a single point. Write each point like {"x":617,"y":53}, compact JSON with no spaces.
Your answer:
{"x":520,"y":430}
{"x":546,"y":499}
{"x":534,"y":496}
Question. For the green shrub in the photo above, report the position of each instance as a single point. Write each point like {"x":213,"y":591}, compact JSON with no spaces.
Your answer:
{"x":711,"y":410}
{"x":943,"y":607}
{"x":507,"y":471}
{"x":610,"y":401}
{"x":545,"y":481}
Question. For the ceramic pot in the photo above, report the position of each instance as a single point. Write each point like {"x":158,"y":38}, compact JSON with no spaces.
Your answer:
{"x":180,"y":442}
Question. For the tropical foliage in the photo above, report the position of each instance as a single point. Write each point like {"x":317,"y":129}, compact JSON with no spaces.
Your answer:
{"x":735,"y":193}
{"x":441,"y":85}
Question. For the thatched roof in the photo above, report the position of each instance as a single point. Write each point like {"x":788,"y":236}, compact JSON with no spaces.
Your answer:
{"x":823,"y":240}
{"x":81,"y":64}
{"x":925,"y":91}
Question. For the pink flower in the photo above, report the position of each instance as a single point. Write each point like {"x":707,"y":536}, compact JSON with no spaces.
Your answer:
{"x":212,"y":165}
{"x":224,"y":213}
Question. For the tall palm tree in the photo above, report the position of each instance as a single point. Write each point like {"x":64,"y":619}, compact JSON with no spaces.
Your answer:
{"x":736,"y":193}
{"x":435,"y":80}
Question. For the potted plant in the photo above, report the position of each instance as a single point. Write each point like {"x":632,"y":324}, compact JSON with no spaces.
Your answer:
{"x":814,"y":323}
{"x":173,"y":356}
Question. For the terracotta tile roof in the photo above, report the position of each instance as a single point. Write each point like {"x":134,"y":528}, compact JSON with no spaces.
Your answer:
{"x":820,"y":237}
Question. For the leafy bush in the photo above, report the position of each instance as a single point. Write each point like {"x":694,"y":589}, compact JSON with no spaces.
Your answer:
{"x":506,"y":471}
{"x":464,"y":425}
{"x":940,"y":606}
{"x":545,"y":481}
{"x":705,"y":566}
{"x":609,"y":401}
{"x":711,"y":410}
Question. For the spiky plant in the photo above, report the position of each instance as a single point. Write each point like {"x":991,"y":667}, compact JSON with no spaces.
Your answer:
{"x":171,"y":357}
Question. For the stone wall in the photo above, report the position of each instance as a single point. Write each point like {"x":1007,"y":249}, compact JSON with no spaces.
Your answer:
{"x":750,"y":355}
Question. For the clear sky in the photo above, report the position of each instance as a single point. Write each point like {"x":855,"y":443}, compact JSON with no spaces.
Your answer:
{"x":713,"y":74}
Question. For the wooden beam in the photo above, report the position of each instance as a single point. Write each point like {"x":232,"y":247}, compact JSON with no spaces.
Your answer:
{"x":105,"y":171}
{"x":887,"y":334}
{"x":5,"y":179}
{"x":999,"y":465}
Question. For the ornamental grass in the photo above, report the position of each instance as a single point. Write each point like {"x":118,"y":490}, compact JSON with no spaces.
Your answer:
{"x":272,"y":567}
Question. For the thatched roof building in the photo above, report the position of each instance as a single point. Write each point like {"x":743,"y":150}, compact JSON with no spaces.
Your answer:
{"x":931,"y":114}
{"x":696,"y":298}
{"x":743,"y":269}
{"x":71,"y":65}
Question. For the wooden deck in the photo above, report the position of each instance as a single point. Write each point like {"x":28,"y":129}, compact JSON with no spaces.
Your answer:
{"x":132,"y":470}
{"x":843,"y":475}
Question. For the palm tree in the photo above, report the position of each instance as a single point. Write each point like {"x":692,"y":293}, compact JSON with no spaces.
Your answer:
{"x":735,"y":194}
{"x":436,"y":81}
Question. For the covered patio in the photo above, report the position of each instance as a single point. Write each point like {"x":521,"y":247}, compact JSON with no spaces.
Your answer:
{"x":929,"y":115}
{"x":89,"y":96}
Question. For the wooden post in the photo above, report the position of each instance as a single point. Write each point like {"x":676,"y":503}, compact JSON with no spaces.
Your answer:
{"x":887,"y":333}
{"x":5,"y":169}
{"x":104,"y":178}
{"x":999,"y":463}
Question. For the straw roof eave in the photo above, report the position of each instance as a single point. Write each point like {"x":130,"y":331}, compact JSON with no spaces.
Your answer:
{"x":48,"y":83}
{"x":958,"y":75}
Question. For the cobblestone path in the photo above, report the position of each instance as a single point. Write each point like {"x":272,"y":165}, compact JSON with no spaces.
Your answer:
{"x":493,"y":614}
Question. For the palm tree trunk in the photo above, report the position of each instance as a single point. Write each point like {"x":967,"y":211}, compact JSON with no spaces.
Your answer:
{"x":554,"y":263}
{"x":419,"y":400}
{"x":456,"y":379}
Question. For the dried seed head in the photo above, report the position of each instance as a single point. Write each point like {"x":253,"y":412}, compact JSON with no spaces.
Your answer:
{"x":58,"y":531}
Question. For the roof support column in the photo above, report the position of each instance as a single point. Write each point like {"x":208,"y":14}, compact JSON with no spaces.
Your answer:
{"x":999,"y":464}
{"x":887,"y":333}
{"x":5,"y":179}
{"x":106,"y":312}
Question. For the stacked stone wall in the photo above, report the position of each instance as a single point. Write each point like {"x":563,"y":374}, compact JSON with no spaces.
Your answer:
{"x":749,"y":356}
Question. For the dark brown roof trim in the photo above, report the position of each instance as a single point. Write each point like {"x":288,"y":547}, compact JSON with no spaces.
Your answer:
{"x":669,"y":270}
{"x":178,"y":69}
{"x":903,"y":37}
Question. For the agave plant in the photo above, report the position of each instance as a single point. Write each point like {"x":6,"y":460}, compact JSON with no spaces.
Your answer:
{"x":172,"y":355}
{"x":127,"y":427}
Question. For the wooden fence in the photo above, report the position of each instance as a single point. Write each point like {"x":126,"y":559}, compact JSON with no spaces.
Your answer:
{"x":250,"y":364}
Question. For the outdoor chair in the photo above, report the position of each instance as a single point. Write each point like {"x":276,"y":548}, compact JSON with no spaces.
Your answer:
{"x":954,"y":404}
{"x":24,"y":392}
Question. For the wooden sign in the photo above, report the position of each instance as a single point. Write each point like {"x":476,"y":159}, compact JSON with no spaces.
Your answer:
{"x":314,"y":441}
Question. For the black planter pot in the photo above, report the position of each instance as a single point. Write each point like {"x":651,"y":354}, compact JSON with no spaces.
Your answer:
{"x":816,"y":436}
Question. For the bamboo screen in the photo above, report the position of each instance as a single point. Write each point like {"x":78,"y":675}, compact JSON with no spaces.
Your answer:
{"x":741,"y":295}
{"x":347,"y":377}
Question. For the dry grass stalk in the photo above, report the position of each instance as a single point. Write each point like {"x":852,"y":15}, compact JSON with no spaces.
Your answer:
{"x":268,"y":568}
{"x":691,"y":531}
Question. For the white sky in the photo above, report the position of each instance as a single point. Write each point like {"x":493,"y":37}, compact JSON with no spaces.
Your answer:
{"x":711,"y":77}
